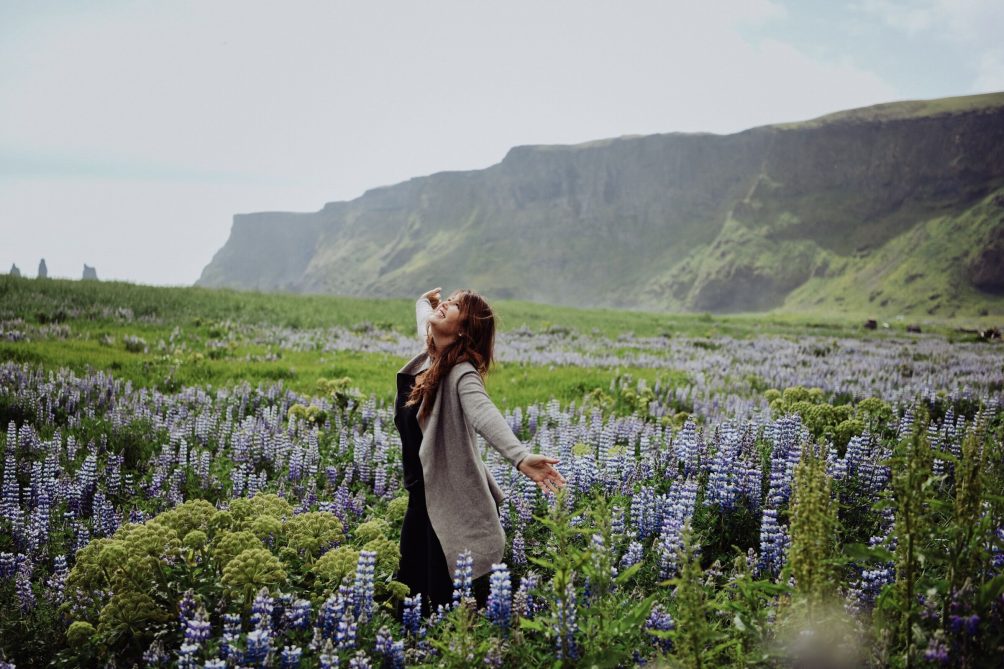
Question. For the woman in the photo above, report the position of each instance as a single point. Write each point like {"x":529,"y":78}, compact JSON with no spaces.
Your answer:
{"x":452,"y":497}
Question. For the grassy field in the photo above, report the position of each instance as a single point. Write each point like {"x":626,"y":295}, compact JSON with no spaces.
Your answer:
{"x":83,"y":325}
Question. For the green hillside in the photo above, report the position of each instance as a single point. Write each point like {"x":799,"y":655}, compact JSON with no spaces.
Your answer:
{"x":829,"y":214}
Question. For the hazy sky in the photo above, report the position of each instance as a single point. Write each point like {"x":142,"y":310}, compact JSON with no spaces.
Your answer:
{"x":131,"y":132}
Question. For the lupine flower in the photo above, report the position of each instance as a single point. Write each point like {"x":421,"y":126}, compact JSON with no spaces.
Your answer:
{"x":360,"y":660}
{"x":362,"y":589}
{"x":518,"y":549}
{"x":259,"y":645}
{"x":632,"y":556}
{"x":290,"y":657}
{"x":773,"y":544}
{"x":937,"y":652}
{"x":197,"y":628}
{"x":261,"y":610}
{"x":525,"y":603}
{"x":298,"y":615}
{"x":500,"y":597}
{"x":566,"y":626}
{"x":412,"y":614}
{"x":462,"y":577}
{"x":659,"y":619}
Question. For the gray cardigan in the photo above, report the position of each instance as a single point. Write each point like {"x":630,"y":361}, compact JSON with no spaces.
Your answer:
{"x":460,"y":493}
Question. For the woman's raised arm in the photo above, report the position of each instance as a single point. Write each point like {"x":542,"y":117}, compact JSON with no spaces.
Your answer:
{"x":424,"y":308}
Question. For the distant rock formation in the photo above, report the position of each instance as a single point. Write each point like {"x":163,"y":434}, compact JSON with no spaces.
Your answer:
{"x":14,"y":271}
{"x":43,"y":271}
{"x":897,"y":208}
{"x":90,"y":273}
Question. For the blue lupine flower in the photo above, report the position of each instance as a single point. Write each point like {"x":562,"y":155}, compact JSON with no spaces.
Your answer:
{"x":261,"y":610}
{"x":773,"y":544}
{"x":362,"y":588}
{"x":462,"y":576}
{"x":290,"y":657}
{"x":298,"y":615}
{"x":412,"y":614}
{"x":500,"y":597}
{"x":632,"y":556}
{"x":566,"y":625}
{"x":659,"y":619}
{"x":360,"y":660}
{"x":197,"y":628}
{"x":259,"y":645}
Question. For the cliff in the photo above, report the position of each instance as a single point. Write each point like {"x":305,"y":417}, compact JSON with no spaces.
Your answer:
{"x":826,"y":213}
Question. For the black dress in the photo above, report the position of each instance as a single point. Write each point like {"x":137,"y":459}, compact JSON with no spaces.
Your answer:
{"x":423,"y":565}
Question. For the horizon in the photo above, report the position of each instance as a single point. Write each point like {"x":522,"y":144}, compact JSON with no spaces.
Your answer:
{"x":104,"y":157}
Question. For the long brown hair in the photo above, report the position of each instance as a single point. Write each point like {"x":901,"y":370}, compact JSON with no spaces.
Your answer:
{"x":475,"y":343}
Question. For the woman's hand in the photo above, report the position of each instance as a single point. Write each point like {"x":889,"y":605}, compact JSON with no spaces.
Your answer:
{"x":433,"y":297}
{"x":538,"y":468}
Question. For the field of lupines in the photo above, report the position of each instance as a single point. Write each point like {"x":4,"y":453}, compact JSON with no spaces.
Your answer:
{"x":732,"y":501}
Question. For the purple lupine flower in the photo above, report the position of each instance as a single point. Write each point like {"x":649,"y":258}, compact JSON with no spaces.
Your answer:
{"x":462,"y":576}
{"x":617,"y":520}
{"x":259,"y":645}
{"x":937,"y":652}
{"x":525,"y":603}
{"x":362,"y":587}
{"x":345,"y":635}
{"x":56,"y":583}
{"x":632,"y":556}
{"x":186,"y":655}
{"x":412,"y":615}
{"x":360,"y":660}
{"x":391,"y":650}
{"x":659,"y":619}
{"x":566,"y":625}
{"x":8,"y":565}
{"x":186,"y":608}
{"x":518,"y":549}
{"x":290,"y":657}
{"x":327,"y":618}
{"x":298,"y":615}
{"x":773,"y":544}
{"x":261,"y":610}
{"x":197,"y":628}
{"x":155,"y":655}
{"x":679,"y":508}
{"x":22,"y":584}
{"x":688,"y":448}
{"x":500,"y":597}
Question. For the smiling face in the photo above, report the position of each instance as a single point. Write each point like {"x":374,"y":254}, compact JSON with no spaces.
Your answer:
{"x":445,"y":320}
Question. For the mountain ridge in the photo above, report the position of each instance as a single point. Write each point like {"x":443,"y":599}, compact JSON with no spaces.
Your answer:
{"x":672,"y":221}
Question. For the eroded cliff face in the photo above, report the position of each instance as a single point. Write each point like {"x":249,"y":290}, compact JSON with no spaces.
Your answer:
{"x":675,"y":221}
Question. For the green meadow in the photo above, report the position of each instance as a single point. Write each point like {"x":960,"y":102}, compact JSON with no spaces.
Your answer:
{"x":198,"y":336}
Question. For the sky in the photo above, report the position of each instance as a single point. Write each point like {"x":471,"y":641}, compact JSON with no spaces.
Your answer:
{"x":132,"y":132}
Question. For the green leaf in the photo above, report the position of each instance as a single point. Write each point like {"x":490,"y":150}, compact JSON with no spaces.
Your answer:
{"x":738,"y":622}
{"x":532,"y":624}
{"x":547,"y":564}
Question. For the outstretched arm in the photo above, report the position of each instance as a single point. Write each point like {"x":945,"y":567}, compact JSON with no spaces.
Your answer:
{"x":487,"y":420}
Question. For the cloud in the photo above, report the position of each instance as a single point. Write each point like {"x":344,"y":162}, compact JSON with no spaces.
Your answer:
{"x":242,"y":106}
{"x":972,"y":26}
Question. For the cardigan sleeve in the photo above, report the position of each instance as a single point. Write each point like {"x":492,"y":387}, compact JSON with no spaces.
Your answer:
{"x":423,"y":309}
{"x":487,"y":420}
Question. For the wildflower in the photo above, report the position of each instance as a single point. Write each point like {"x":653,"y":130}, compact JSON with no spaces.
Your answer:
{"x":500,"y":597}
{"x":462,"y":577}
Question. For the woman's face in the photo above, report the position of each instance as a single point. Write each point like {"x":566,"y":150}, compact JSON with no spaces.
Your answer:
{"x":445,"y":320}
